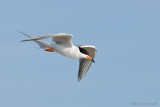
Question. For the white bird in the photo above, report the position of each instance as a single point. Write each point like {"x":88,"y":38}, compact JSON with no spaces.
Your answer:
{"x":62,"y":44}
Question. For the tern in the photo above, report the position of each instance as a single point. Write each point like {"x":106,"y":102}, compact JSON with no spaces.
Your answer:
{"x":62,"y":44}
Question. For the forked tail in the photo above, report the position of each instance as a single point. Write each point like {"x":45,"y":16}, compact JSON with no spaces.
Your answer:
{"x":43,"y":45}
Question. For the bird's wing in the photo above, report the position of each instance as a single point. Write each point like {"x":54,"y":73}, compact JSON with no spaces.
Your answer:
{"x":60,"y":38}
{"x":84,"y":64}
{"x":91,"y":50}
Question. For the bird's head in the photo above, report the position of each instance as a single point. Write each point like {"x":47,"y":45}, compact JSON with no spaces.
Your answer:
{"x":90,"y":58}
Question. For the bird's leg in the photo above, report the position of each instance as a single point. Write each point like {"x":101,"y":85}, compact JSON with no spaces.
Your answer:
{"x":50,"y":50}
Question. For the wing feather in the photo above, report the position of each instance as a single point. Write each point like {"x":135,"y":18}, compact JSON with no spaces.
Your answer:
{"x":84,"y":64}
{"x":61,"y":37}
{"x":91,"y":50}
{"x":83,"y":67}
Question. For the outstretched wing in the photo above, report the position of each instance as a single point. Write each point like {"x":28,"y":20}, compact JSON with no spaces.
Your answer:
{"x":61,"y":37}
{"x":84,"y":64}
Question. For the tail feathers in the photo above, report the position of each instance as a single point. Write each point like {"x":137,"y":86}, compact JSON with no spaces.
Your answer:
{"x":24,"y":34}
{"x":42,"y":45}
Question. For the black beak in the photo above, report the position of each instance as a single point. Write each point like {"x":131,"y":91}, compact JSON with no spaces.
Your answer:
{"x":93,"y":60}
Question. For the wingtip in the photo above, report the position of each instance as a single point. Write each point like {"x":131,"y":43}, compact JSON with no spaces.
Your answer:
{"x":27,"y":40}
{"x":79,"y":79}
{"x":23,"y":40}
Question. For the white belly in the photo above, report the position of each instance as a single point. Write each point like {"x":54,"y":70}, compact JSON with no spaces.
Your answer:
{"x":72,"y":52}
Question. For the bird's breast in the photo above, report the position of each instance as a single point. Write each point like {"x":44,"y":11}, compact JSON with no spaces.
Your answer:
{"x":72,"y":52}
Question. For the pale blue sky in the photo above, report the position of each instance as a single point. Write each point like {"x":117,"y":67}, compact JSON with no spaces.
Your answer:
{"x":126,"y":34}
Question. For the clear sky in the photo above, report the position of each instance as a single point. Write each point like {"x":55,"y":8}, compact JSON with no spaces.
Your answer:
{"x":126,"y":34}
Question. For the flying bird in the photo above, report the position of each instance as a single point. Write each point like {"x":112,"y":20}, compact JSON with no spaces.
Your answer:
{"x":62,"y":44}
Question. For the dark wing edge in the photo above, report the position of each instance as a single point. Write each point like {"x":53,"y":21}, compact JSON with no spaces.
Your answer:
{"x":91,"y":50}
{"x":84,"y":65}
